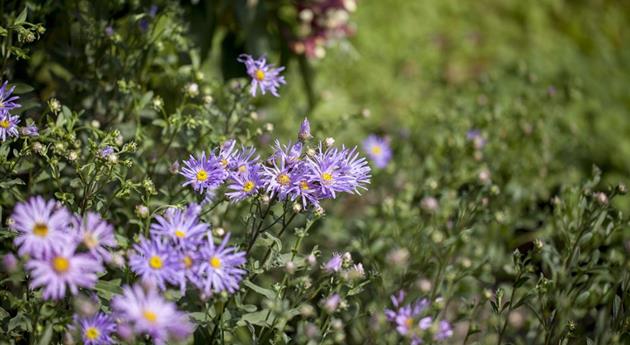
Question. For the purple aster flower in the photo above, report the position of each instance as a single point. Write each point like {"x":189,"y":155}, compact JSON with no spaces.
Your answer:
{"x":332,"y":302}
{"x":334,"y":264}
{"x":305,"y":130}
{"x":243,"y":186}
{"x":181,"y":226}
{"x":189,"y":260}
{"x":7,"y":102}
{"x":9,"y":263}
{"x":42,"y":227}
{"x":149,"y":313}
{"x":203,"y":173}
{"x":63,"y":269}
{"x":326,"y":169}
{"x":153,"y":11}
{"x":289,"y":153}
{"x":94,"y":330}
{"x":8,"y":125}
{"x":219,"y":268}
{"x":243,"y":160}
{"x":404,"y":317}
{"x":106,"y":151}
{"x":444,"y":331}
{"x":227,"y":151}
{"x":356,"y":167}
{"x":378,"y":150}
{"x":264,"y":75}
{"x":155,"y":262}
{"x":96,"y":234}
{"x":280,"y":179}
{"x":30,"y":131}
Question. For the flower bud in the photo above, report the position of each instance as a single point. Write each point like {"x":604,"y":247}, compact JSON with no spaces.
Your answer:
{"x":219,"y":232}
{"x":142,"y":211}
{"x":329,"y":142}
{"x":9,"y":263}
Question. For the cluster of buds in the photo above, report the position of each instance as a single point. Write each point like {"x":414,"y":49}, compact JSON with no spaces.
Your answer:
{"x":321,"y":22}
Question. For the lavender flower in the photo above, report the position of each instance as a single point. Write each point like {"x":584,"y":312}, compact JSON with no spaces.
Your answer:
{"x":180,"y":225}
{"x":219,"y":269}
{"x":203,"y":173}
{"x":477,"y":138}
{"x":42,"y":227}
{"x":94,"y":330}
{"x":243,"y":160}
{"x":332,"y":302}
{"x":227,"y":153}
{"x":244,"y":185}
{"x":410,"y":323}
{"x":337,"y":171}
{"x":30,"y":131}
{"x":155,"y":262}
{"x":444,"y":331}
{"x":280,"y":178}
{"x":334,"y":264}
{"x":378,"y":150}
{"x":97,"y":235}
{"x":106,"y":152}
{"x":149,"y":313}
{"x":264,"y":75}
{"x":8,"y":125}
{"x":63,"y":268}
{"x":189,"y":260}
{"x":7,"y":102}
{"x":305,"y":130}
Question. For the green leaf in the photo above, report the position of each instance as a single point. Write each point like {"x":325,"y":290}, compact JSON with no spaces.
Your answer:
{"x":21,"y":18}
{"x":47,"y":336}
{"x":260,"y":290}
{"x":107,"y":289}
{"x":260,"y":318}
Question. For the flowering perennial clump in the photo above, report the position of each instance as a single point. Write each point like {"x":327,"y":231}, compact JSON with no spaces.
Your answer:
{"x":294,"y":171}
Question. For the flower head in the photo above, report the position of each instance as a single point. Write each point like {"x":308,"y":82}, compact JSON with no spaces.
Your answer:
{"x":96,"y":234}
{"x":305,"y":130}
{"x":334,"y":264}
{"x":94,"y":330}
{"x":180,"y":226}
{"x":63,"y":269}
{"x":243,"y":161}
{"x":7,"y":102}
{"x":264,"y":76}
{"x":378,"y":150}
{"x":149,"y":313}
{"x":244,"y":185}
{"x":30,"y":131}
{"x":219,"y":269}
{"x":106,"y":151}
{"x":155,"y":262}
{"x":41,"y":225}
{"x":8,"y":125}
{"x":205,"y":173}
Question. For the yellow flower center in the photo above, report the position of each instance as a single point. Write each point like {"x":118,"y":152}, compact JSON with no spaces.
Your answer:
{"x":224,"y":162}
{"x":89,"y":240}
{"x":202,"y":175}
{"x":248,"y":186}
{"x":155,"y":262}
{"x":304,"y":185}
{"x":4,"y":124}
{"x":187,"y":261}
{"x":40,"y":230}
{"x":180,"y":234}
{"x":150,"y":316}
{"x":259,"y":75}
{"x":376,"y":150}
{"x":283,"y":179}
{"x":215,"y":262}
{"x":92,"y":333}
{"x":61,"y":264}
{"x":242,"y":168}
{"x":409,"y":322}
{"x":327,"y":177}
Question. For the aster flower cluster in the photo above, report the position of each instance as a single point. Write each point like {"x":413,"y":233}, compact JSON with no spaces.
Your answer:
{"x":181,"y":251}
{"x":413,"y":322}
{"x":294,"y":171}
{"x":319,"y":23}
{"x":65,"y":251}
{"x":8,"y":123}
